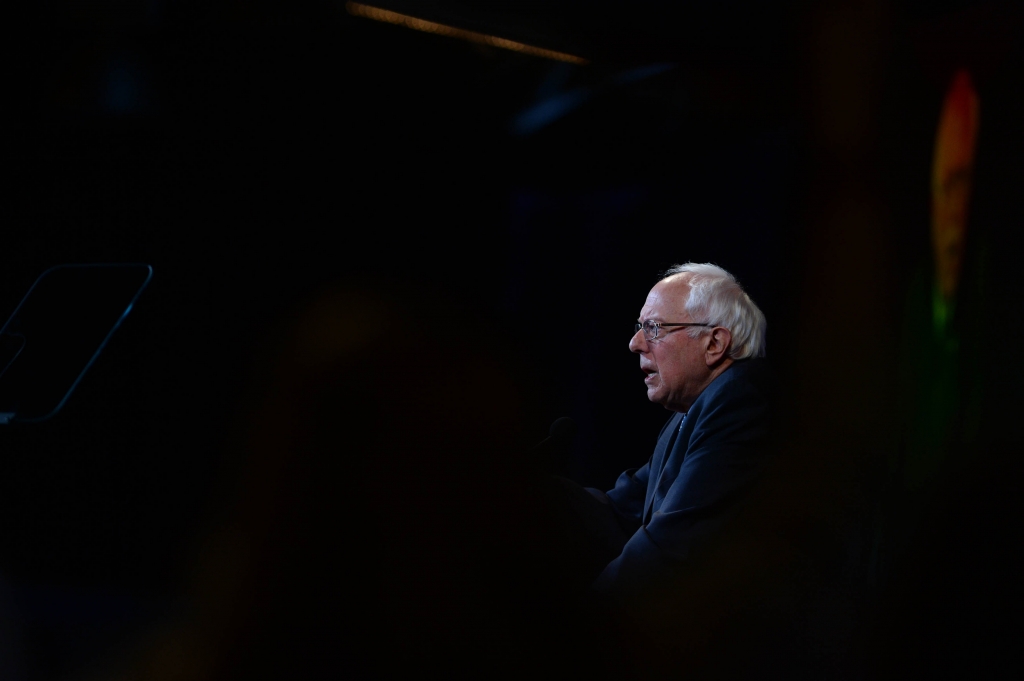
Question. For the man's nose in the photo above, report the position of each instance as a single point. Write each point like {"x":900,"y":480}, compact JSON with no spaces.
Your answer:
{"x":638,"y":343}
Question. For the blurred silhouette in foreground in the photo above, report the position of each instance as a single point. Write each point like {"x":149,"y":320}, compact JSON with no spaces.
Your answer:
{"x":390,"y":517}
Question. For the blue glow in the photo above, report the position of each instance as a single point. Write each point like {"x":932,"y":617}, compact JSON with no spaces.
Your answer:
{"x":548,"y":111}
{"x":556,"y":105}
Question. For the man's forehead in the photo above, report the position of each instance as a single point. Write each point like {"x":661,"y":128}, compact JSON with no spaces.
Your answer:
{"x":668,"y":296}
{"x":675,"y":287}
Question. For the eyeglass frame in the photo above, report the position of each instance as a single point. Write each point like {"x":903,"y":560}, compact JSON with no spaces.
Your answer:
{"x":638,"y":326}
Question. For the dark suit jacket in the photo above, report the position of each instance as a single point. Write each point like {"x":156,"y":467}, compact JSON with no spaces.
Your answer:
{"x":703,"y":463}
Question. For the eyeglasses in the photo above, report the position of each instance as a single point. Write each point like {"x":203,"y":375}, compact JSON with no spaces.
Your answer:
{"x":652,"y":328}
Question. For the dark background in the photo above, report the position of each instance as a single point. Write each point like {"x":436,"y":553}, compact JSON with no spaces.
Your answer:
{"x":256,"y":153}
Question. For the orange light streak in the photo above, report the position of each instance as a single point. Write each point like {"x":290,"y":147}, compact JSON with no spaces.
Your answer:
{"x":377,"y":14}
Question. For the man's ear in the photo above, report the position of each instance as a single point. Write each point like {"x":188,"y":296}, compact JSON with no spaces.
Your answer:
{"x":717,"y":345}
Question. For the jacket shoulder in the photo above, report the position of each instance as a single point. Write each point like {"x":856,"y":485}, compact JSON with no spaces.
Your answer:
{"x":745,"y":379}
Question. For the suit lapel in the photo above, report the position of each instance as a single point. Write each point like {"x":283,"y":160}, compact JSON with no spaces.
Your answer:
{"x":665,"y":445}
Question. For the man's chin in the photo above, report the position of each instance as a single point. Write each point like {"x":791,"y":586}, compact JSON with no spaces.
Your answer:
{"x":659,"y":397}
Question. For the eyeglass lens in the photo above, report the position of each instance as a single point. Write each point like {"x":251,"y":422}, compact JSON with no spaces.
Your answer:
{"x":650,"y":329}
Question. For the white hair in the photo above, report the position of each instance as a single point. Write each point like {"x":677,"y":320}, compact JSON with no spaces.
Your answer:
{"x":716,"y":298}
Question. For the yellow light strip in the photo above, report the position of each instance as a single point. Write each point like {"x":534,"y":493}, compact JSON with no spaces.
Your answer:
{"x":377,"y":14}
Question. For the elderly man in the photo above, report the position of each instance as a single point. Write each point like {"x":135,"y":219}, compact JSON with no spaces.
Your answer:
{"x":699,"y":337}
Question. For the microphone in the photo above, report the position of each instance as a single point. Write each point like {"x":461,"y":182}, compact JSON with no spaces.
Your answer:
{"x":562,"y":431}
{"x":555,"y":447}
